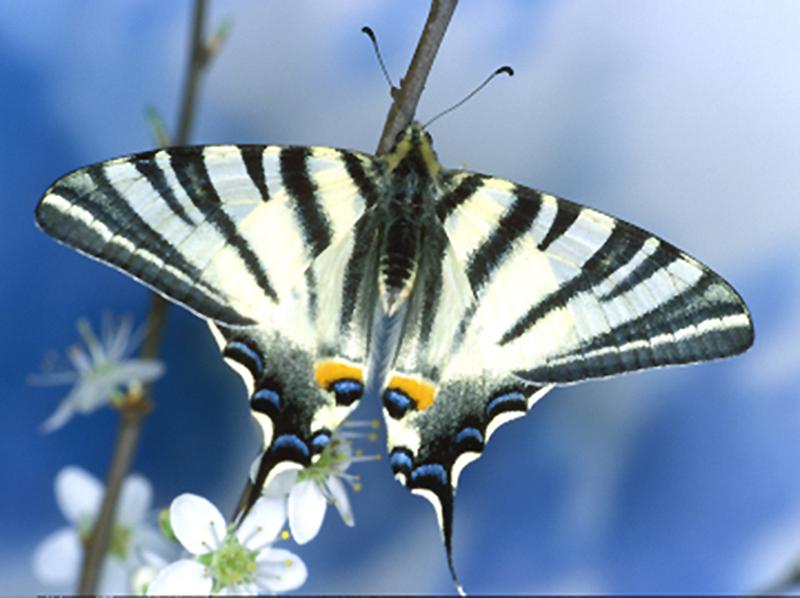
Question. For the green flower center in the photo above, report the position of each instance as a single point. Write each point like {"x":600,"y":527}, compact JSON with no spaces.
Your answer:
{"x":329,"y":463}
{"x":120,"y":541}
{"x":230,"y":565}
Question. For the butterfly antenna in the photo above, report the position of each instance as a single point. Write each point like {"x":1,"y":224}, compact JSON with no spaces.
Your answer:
{"x":507,"y":70}
{"x":371,"y":35}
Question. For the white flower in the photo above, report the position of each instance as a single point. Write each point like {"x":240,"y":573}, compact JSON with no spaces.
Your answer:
{"x":57,"y":560}
{"x":311,"y":489}
{"x":228,"y":560}
{"x":101,"y":373}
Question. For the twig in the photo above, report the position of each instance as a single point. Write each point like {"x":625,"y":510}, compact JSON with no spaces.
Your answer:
{"x":406,"y":97}
{"x":136,"y":404}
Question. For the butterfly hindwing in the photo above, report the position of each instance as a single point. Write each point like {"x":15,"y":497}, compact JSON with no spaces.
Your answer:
{"x":223,"y":230}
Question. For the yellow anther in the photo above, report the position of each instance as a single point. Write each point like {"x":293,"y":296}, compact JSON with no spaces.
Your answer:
{"x":375,"y":424}
{"x":285,"y":535}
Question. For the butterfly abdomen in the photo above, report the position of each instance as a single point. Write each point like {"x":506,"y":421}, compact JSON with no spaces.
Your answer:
{"x":411,"y":170}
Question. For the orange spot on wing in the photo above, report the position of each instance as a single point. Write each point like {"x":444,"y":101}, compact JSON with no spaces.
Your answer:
{"x":332,"y":370}
{"x":420,"y":391}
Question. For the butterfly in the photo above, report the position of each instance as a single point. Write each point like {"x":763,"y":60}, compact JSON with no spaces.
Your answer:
{"x":457,"y":299}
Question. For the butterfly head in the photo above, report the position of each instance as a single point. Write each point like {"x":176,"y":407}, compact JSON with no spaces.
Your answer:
{"x":413,"y":146}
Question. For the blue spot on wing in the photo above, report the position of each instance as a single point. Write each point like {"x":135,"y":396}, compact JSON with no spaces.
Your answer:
{"x":510,"y":401}
{"x":347,"y":391}
{"x":469,"y":434}
{"x":347,"y":386}
{"x":401,"y":461}
{"x":396,"y":402}
{"x":291,"y":442}
{"x":430,"y":471}
{"x":268,"y":395}
{"x":244,"y":350}
{"x":320,"y":441}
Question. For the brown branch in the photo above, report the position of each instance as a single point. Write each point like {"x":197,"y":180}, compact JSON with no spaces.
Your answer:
{"x":407,"y":96}
{"x":136,"y":404}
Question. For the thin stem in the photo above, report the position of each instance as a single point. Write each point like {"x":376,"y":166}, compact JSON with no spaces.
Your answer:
{"x":407,"y":96}
{"x":199,"y":56}
{"x":136,"y":404}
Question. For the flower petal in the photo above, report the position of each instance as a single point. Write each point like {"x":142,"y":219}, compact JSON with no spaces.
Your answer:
{"x":135,"y":498}
{"x":242,"y":589}
{"x":345,"y":450}
{"x":263,"y":522}
{"x":197,"y":523}
{"x":61,"y":416}
{"x":79,"y":359}
{"x":78,"y":494}
{"x":141,"y":579}
{"x":279,"y":570}
{"x":281,"y":484}
{"x":184,"y":577}
{"x":306,"y":511}
{"x":116,"y":341}
{"x":57,"y":559}
{"x":340,"y":499}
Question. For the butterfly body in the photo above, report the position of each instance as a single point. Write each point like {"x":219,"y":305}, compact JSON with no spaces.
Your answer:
{"x":456,"y":299}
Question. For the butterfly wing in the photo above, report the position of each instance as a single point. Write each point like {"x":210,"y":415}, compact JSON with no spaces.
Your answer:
{"x":270,"y":244}
{"x":223,"y":230}
{"x":565,"y":293}
{"x":522,"y":291}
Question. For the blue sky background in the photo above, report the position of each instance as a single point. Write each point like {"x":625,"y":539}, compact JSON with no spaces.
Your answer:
{"x":682,"y":117}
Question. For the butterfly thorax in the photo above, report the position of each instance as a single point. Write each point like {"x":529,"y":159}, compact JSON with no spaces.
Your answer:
{"x":412,"y":171}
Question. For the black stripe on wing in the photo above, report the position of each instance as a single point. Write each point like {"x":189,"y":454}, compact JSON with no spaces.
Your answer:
{"x":253,"y":158}
{"x":663,"y":255}
{"x":357,"y":267}
{"x":635,"y":345}
{"x":566,"y":214}
{"x":90,"y":191}
{"x":362,"y":179}
{"x":299,"y":185}
{"x":515,"y":223}
{"x":146,"y":164}
{"x":190,"y":169}
{"x":458,"y":195}
{"x":622,"y":244}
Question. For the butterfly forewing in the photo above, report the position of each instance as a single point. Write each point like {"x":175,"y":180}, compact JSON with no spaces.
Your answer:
{"x":567,"y":293}
{"x":223,"y":230}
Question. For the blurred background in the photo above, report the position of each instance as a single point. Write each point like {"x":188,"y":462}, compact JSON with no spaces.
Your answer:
{"x":682,"y":117}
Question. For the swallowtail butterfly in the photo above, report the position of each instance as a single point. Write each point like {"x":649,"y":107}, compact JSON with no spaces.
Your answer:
{"x":457,"y":299}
